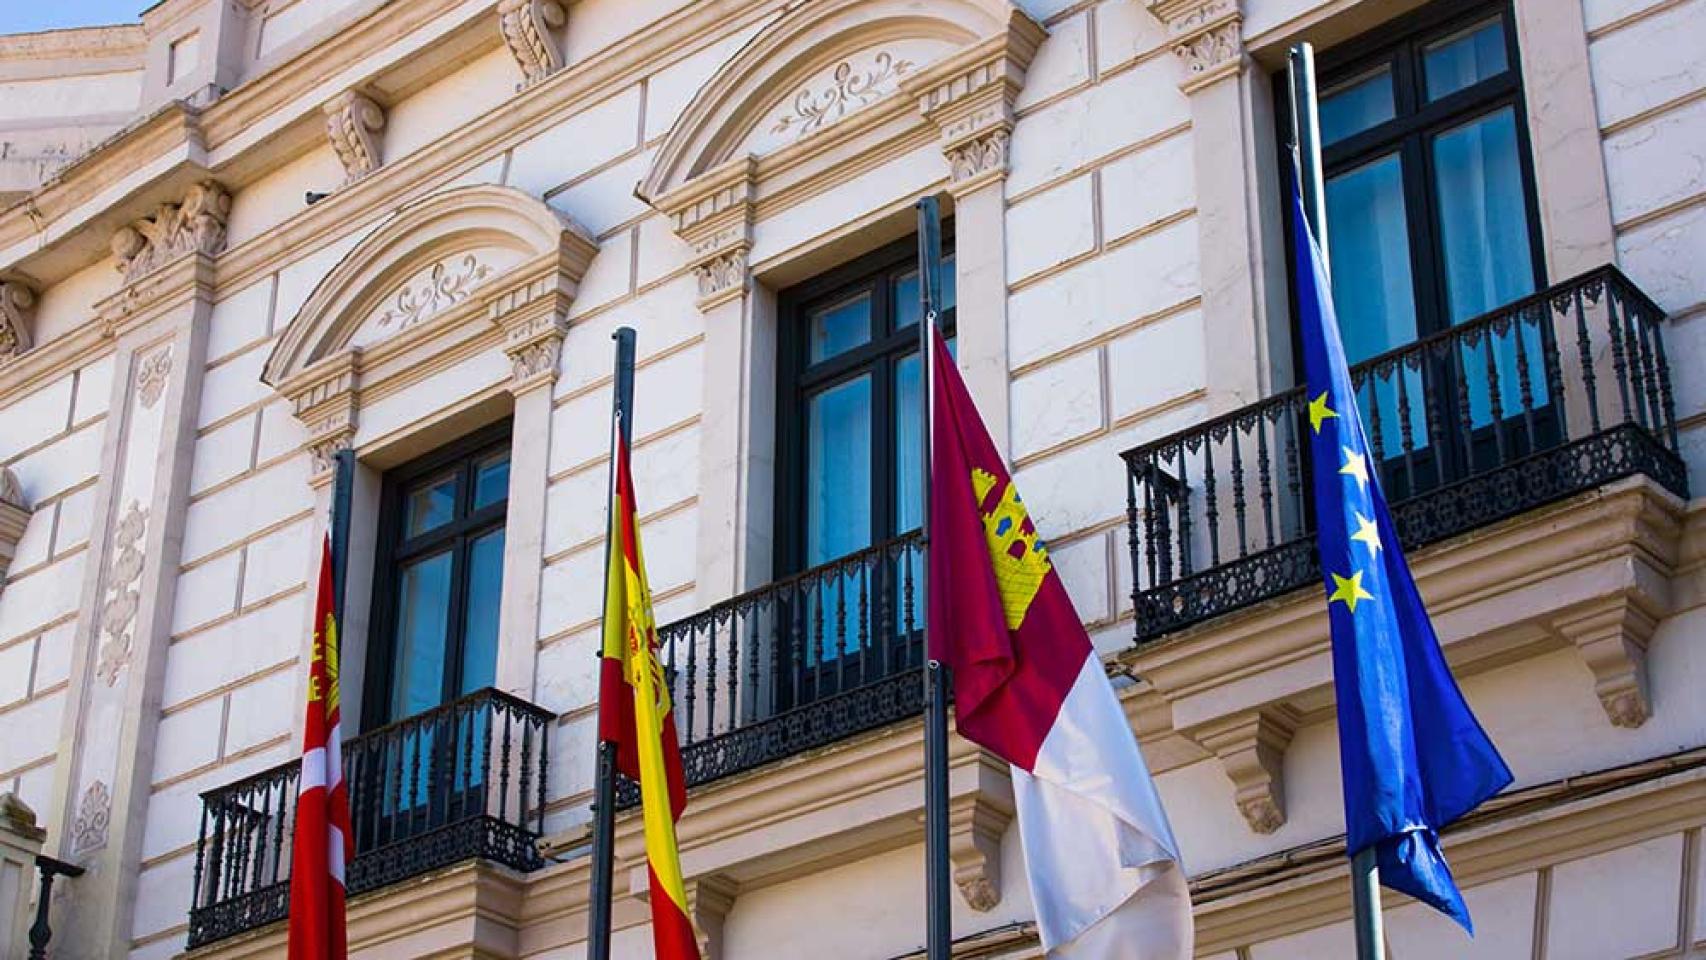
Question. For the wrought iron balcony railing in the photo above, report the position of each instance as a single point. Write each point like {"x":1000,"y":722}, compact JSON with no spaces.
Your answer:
{"x":1552,"y":395}
{"x":459,"y":781}
{"x":797,"y":664}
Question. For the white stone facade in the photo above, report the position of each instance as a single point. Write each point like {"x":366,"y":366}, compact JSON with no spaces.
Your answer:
{"x":508,"y":182}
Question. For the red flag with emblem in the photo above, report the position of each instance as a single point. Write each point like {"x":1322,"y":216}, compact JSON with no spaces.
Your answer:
{"x":321,"y":844}
{"x":1102,"y":863}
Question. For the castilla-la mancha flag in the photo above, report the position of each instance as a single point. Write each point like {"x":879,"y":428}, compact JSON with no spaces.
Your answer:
{"x":634,"y":712}
{"x":321,"y":845}
{"x":1103,"y":865}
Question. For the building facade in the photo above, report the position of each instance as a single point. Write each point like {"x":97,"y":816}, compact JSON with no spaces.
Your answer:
{"x":246,"y":235}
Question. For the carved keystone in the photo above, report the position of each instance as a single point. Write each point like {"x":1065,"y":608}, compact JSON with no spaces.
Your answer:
{"x":1251,"y":747}
{"x":1612,"y":638}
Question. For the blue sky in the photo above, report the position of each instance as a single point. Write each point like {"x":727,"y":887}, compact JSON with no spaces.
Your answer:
{"x":28,"y":16}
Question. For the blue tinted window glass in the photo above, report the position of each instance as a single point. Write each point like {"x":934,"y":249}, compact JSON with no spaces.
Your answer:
{"x":841,"y":327}
{"x":1356,"y":105}
{"x":1485,"y":243}
{"x":491,"y":481}
{"x":423,"y":616}
{"x":838,"y":477}
{"x":430,"y":505}
{"x":906,"y":294}
{"x":1465,"y":58}
{"x":485,"y":592}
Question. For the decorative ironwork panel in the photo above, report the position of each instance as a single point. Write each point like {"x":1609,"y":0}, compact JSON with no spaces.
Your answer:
{"x":461,"y":781}
{"x":1550,"y":396}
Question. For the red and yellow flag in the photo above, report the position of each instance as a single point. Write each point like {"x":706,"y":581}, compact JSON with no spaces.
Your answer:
{"x":635,"y":713}
{"x":321,"y":845}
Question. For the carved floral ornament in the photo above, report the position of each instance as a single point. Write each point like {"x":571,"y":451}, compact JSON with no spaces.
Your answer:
{"x":1207,"y":36}
{"x":846,"y":90}
{"x":118,"y":612}
{"x":447,"y":283}
{"x":197,"y":225}
{"x":353,"y":123}
{"x":527,"y":27}
{"x":17,"y":310}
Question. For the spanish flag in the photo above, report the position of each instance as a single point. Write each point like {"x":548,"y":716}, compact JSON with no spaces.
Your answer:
{"x":321,"y":845}
{"x":634,"y":712}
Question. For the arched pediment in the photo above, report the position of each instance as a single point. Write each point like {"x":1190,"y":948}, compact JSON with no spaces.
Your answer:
{"x":427,"y":259}
{"x":816,"y":64}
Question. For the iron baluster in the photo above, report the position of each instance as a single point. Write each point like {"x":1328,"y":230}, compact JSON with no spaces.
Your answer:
{"x":1584,"y":353}
{"x":1265,"y":479}
{"x":1406,"y":430}
{"x":1465,"y":419}
{"x":1643,"y":330}
{"x":1293,"y":470}
{"x":503,"y":771}
{"x":1614,"y":325}
{"x":865,"y":651}
{"x":841,"y":630}
{"x":1212,"y":512}
{"x":1495,"y":408}
{"x":692,"y":673}
{"x":1666,"y":400}
{"x":1525,"y":391}
{"x":1184,"y":513}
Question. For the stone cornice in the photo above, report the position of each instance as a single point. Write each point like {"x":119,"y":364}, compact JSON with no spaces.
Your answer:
{"x":124,"y":42}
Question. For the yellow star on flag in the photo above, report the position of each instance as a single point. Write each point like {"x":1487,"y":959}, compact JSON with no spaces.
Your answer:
{"x":1319,"y":412}
{"x":1367,"y":532}
{"x":1349,"y":589}
{"x":1356,"y":465}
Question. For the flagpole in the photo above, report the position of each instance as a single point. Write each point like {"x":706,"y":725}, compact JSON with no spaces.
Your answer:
{"x":604,"y":783}
{"x":937,"y":870}
{"x":1306,"y":154}
{"x":343,"y":494}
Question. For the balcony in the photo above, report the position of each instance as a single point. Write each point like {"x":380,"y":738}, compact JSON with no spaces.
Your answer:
{"x":1554,"y":395}
{"x":461,"y":781}
{"x":797,"y":664}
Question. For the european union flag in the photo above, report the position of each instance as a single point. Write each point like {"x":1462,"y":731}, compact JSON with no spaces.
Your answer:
{"x":1412,"y":755}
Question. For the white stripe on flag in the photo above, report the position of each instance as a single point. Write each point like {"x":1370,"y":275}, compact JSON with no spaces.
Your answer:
{"x":334,"y":757}
{"x":1101,"y":858}
{"x":313,"y":770}
{"x":335,"y":853}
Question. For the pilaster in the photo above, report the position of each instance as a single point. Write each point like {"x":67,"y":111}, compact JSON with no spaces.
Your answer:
{"x":159,"y":321}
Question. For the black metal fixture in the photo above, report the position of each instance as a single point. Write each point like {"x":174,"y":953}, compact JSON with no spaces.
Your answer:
{"x":314,"y":196}
{"x":40,"y":931}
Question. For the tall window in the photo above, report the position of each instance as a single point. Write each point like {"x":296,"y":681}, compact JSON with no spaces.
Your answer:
{"x":1429,"y":189}
{"x":849,"y":405}
{"x":439,"y":578}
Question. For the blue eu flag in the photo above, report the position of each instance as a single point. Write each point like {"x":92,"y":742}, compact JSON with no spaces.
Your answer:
{"x":1412,"y":756}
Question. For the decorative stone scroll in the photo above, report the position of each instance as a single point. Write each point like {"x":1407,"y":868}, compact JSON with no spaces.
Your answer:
{"x":353,"y":124}
{"x":844,"y":91}
{"x":197,"y":225}
{"x":17,"y":310}
{"x":969,"y":97}
{"x":94,"y":817}
{"x":527,"y":27}
{"x":118,"y":612}
{"x":14,"y":517}
{"x":1208,"y":35}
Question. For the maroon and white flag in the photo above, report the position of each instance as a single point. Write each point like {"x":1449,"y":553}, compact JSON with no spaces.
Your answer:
{"x":1103,"y":866}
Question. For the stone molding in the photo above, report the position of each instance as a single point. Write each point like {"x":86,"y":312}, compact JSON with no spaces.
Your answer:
{"x":17,"y":313}
{"x":521,"y":310}
{"x":1251,"y":747}
{"x":194,"y":225}
{"x":1593,"y":573}
{"x":969,"y":98}
{"x":354,"y":121}
{"x":528,"y":28}
{"x":714,"y":214}
{"x":14,"y":518}
{"x":1207,"y":36}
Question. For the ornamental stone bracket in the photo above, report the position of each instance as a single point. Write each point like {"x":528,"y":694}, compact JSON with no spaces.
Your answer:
{"x":976,"y":820}
{"x":1612,"y":636}
{"x":969,"y":98}
{"x":323,"y":398}
{"x":14,"y":517}
{"x":709,"y":900}
{"x":713,"y":213}
{"x":175,"y":230}
{"x":1251,"y":747}
{"x":1207,"y":35}
{"x":354,"y":121}
{"x":530,"y":29}
{"x":17,"y":313}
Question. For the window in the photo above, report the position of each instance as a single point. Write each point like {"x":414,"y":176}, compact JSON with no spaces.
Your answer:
{"x":439,"y":578}
{"x":849,"y":402}
{"x":1429,"y":193}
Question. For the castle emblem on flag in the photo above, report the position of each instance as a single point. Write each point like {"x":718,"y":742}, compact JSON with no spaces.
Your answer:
{"x":1019,"y":559}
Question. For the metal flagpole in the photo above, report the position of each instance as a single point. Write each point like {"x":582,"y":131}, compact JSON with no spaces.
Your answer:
{"x":343,"y":495}
{"x":937,"y":870}
{"x":604,"y":784}
{"x":1306,"y":155}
